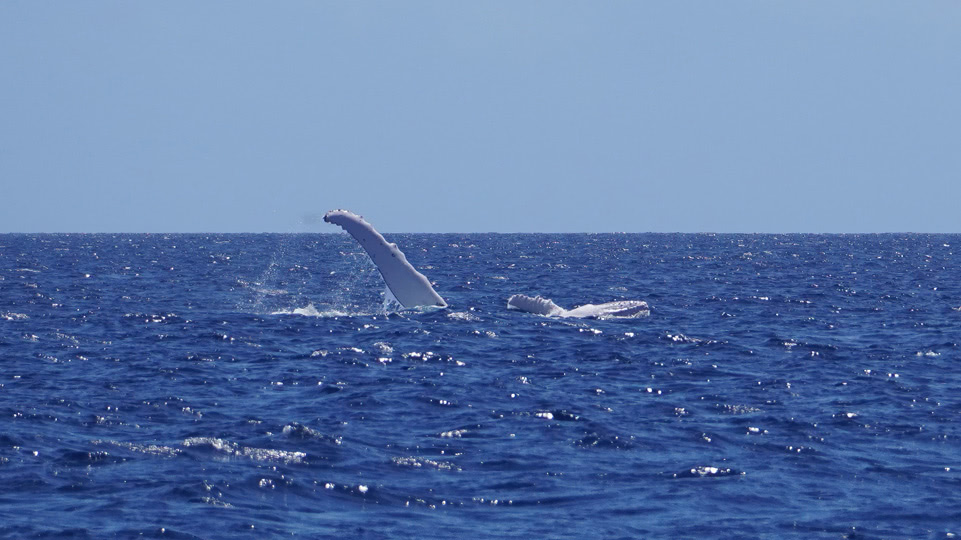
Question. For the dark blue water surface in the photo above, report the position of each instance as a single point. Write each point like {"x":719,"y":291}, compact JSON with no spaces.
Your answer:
{"x":225,"y":386}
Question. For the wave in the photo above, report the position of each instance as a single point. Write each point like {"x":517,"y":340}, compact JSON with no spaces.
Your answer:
{"x":225,"y":447}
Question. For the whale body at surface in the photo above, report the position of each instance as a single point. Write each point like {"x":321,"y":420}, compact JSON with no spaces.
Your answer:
{"x":409,"y":287}
{"x":545,"y":306}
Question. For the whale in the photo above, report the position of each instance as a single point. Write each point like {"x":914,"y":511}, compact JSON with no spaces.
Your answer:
{"x":412,"y":289}
{"x":545,"y":306}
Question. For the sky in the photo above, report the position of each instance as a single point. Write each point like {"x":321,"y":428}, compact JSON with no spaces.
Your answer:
{"x":494,"y":116}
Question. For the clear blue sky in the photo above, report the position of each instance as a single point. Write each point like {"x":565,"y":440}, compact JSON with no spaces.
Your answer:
{"x":236,"y":116}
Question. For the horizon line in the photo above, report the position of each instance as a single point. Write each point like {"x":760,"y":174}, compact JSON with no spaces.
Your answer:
{"x":834,"y":233}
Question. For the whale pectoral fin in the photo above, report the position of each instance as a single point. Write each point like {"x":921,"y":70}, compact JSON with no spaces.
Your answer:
{"x":409,"y":287}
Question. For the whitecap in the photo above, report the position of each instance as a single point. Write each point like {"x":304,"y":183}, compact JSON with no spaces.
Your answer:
{"x":296,"y":430}
{"x":702,"y":471}
{"x":154,"y":449}
{"x":383,"y":347}
{"x":463,"y":316}
{"x":419,"y":462}
{"x":257,"y":454}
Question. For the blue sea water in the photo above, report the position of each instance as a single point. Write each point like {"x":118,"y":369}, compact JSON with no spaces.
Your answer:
{"x":225,"y":386}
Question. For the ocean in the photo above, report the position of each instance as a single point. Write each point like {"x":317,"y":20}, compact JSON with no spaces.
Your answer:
{"x":262,"y":385}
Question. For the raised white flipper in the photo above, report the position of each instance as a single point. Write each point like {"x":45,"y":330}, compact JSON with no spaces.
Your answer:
{"x":409,"y":287}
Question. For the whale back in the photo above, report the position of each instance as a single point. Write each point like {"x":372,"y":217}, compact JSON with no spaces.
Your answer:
{"x":409,"y":287}
{"x":539,"y":305}
{"x":536,"y":304}
{"x":619,"y":309}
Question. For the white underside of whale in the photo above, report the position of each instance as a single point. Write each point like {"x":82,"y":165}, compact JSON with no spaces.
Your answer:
{"x":409,"y":287}
{"x":545,"y":306}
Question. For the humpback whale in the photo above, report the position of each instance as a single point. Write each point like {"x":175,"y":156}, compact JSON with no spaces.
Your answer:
{"x":413,"y":289}
{"x":409,"y":287}
{"x":547,"y":307}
